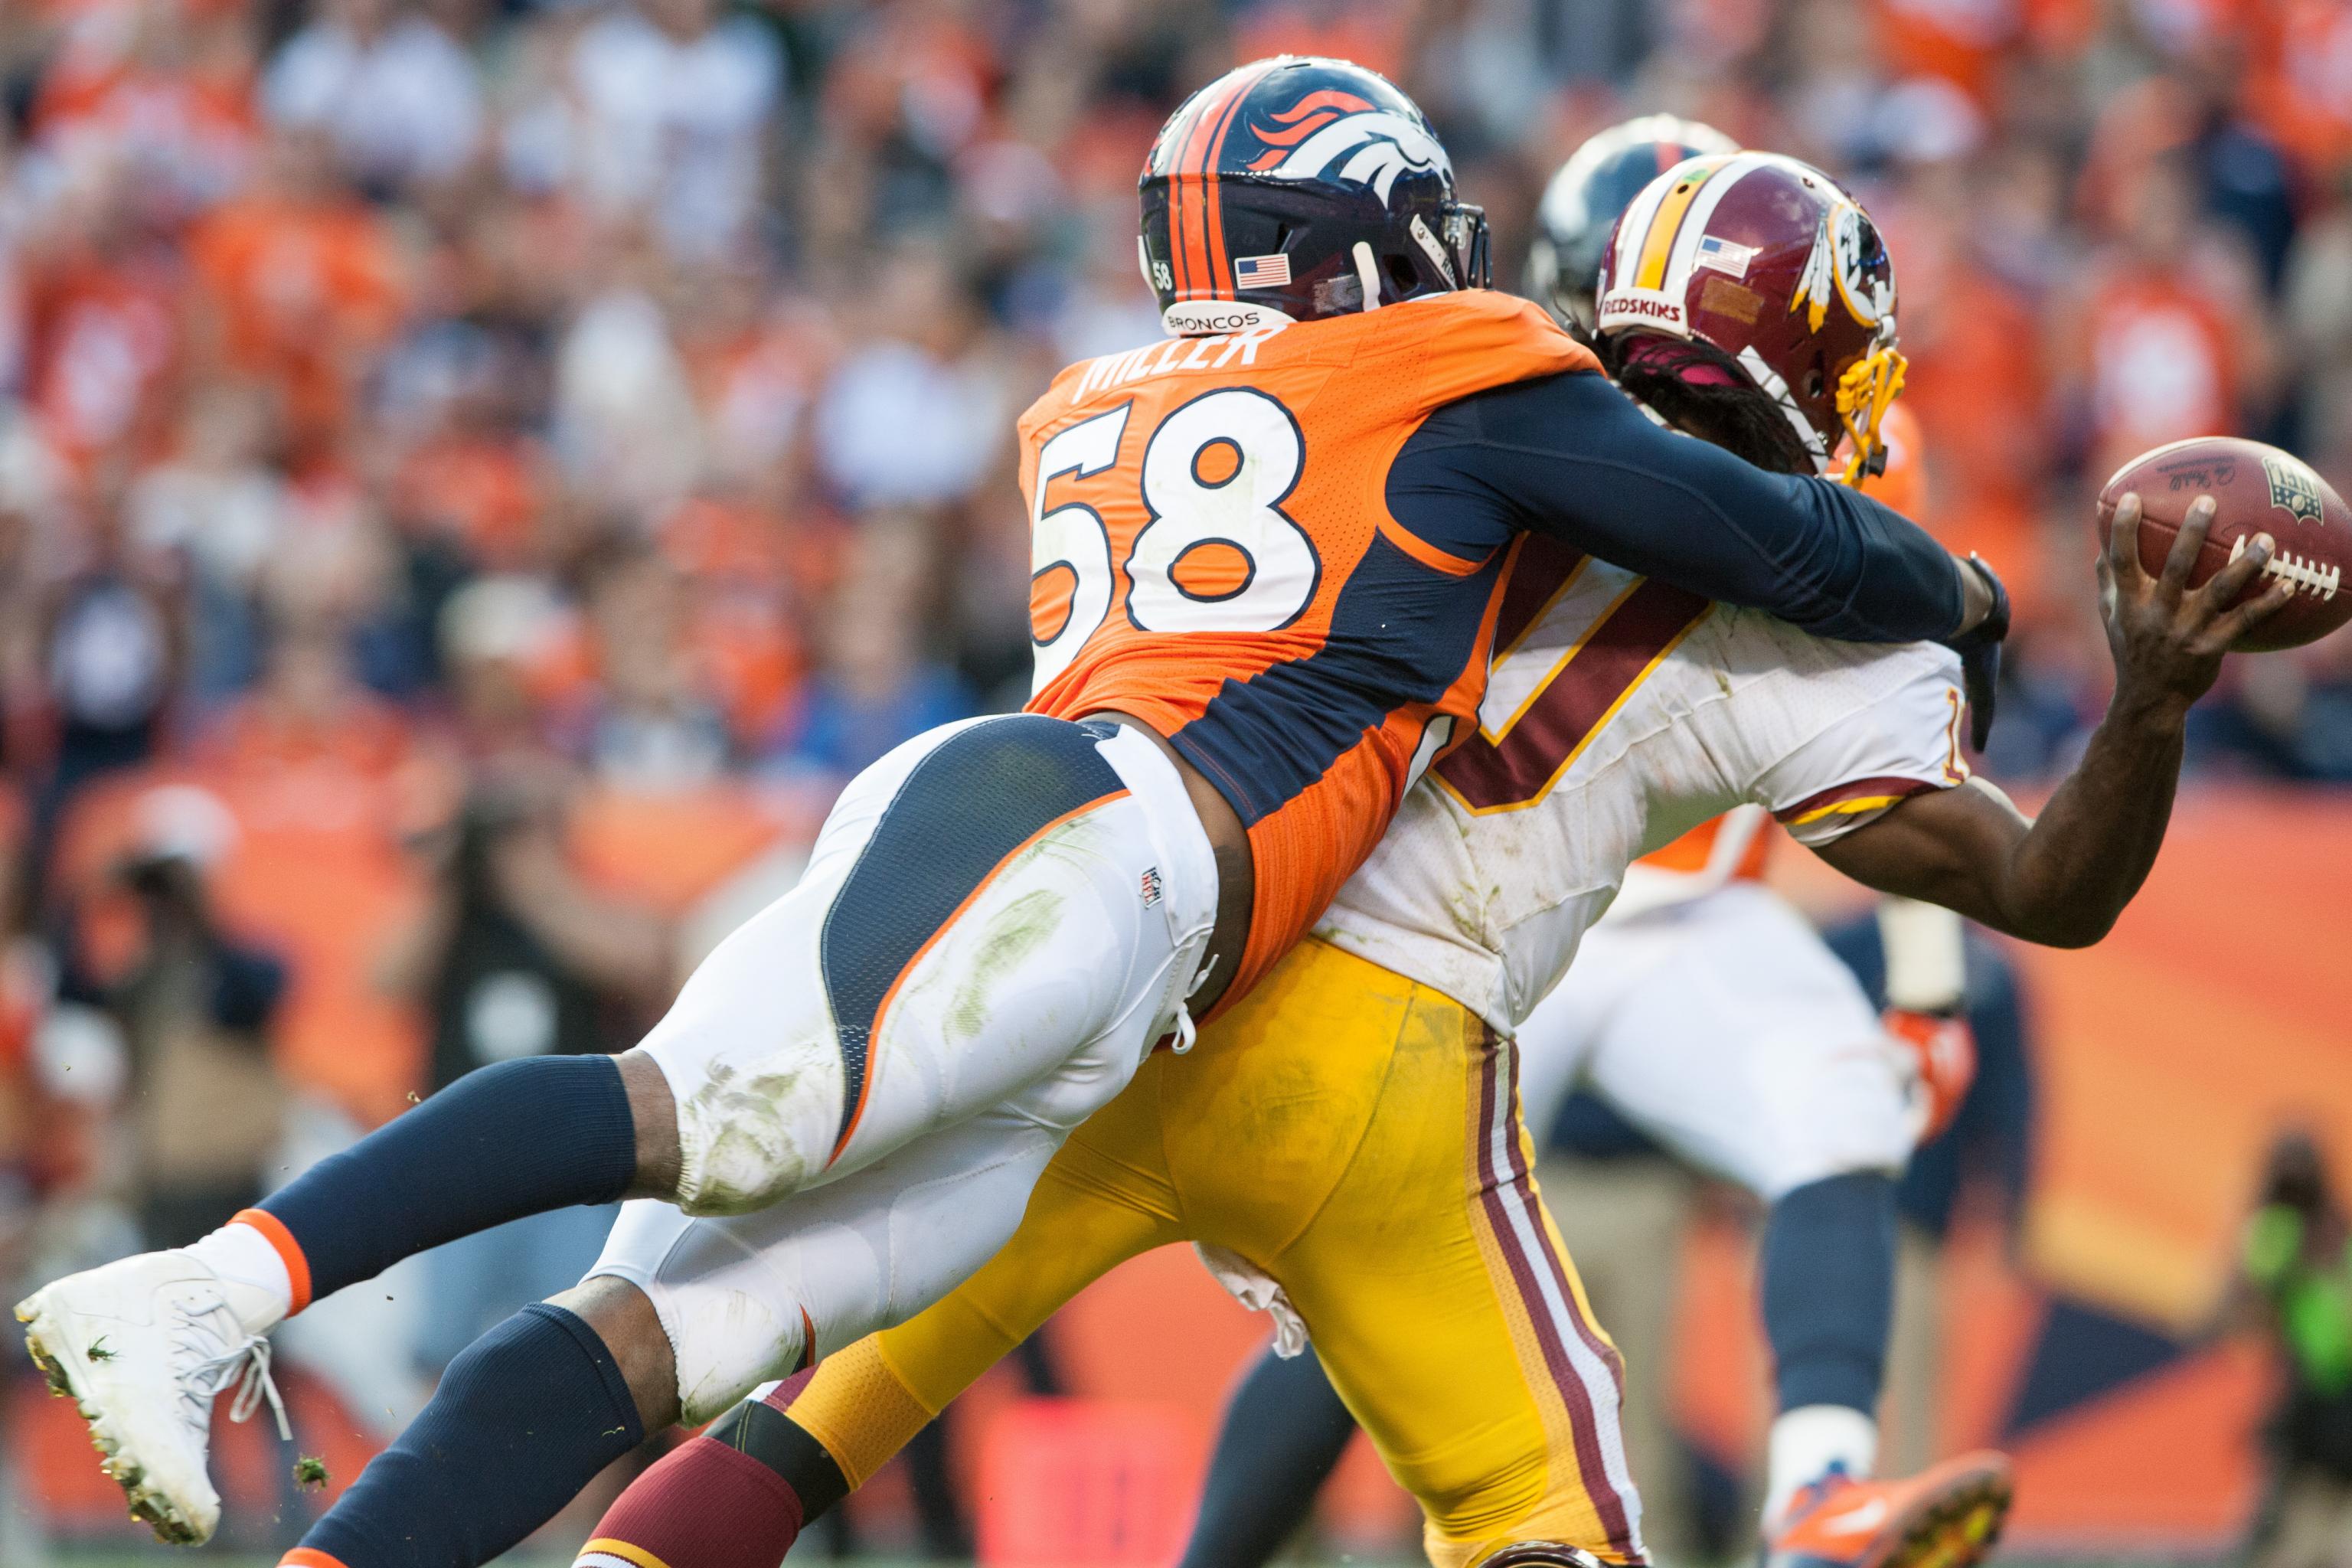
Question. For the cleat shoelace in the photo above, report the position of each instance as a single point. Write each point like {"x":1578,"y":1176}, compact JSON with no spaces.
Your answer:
{"x":244,"y":1366}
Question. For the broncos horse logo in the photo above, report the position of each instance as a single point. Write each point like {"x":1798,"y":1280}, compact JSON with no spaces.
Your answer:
{"x":1371,"y":146}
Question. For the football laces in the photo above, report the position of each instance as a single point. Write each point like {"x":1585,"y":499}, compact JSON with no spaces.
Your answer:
{"x":2299,"y":572}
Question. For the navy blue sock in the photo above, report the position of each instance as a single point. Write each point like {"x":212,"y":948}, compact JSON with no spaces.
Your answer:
{"x":523,"y":1419}
{"x":513,"y":1139}
{"x":1829,"y":1289}
{"x":1284,"y":1432}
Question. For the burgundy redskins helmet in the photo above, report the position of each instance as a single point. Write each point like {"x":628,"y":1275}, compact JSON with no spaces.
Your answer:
{"x":1772,"y":262}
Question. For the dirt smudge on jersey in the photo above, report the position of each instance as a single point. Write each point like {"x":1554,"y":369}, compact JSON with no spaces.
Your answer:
{"x":745,"y":1128}
{"x":1011,"y":935}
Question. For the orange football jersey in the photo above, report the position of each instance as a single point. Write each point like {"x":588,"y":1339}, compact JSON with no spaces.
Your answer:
{"x":1212,"y":553}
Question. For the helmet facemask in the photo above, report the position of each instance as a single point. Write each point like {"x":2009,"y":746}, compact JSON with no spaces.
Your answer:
{"x":1850,"y":275}
{"x":1467,"y":238}
{"x":1864,"y":392}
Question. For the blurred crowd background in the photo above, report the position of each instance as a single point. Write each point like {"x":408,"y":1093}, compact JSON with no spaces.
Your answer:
{"x":476,"y":476}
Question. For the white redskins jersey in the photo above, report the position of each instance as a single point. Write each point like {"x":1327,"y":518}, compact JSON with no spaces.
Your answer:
{"x":1622,"y":713}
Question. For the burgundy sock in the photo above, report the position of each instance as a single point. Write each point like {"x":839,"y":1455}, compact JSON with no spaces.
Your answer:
{"x":705,"y":1505}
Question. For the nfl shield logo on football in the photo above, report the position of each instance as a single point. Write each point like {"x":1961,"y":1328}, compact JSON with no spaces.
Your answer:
{"x":2294,"y":488}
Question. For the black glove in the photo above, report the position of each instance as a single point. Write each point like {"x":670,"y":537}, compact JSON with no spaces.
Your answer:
{"x":1980,"y":651}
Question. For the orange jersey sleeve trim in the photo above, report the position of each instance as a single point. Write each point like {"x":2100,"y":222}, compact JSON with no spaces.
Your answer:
{"x":1428,"y":554}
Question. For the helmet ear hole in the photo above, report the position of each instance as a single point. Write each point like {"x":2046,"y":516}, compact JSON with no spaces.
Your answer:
{"x":1402,"y":276}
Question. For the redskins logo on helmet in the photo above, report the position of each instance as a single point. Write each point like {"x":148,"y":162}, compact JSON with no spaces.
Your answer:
{"x":1771,"y":262}
{"x":1299,"y":187}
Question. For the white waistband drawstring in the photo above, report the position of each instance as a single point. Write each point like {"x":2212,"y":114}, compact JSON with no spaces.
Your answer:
{"x":1187,"y":1032}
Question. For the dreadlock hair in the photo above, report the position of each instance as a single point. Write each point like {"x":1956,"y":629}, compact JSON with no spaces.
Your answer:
{"x":1696,"y":387}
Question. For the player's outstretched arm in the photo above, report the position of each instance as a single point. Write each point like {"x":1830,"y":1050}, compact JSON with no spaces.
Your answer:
{"x":2061,"y":879}
{"x":1574,"y":458}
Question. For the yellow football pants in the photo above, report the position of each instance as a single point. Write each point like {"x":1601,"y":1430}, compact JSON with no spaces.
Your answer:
{"x":1356,"y":1136}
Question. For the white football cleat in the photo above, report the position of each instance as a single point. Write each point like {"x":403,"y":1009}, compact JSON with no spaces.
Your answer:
{"x":143,"y":1347}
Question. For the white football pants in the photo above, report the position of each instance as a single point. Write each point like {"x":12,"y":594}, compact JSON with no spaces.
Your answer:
{"x":998,"y":921}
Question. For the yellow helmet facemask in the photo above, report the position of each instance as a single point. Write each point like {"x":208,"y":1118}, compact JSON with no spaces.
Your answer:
{"x":1869,"y":386}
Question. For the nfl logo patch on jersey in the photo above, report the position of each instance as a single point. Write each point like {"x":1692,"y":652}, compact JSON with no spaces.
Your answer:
{"x":1261,"y":272}
{"x":1150,"y":886}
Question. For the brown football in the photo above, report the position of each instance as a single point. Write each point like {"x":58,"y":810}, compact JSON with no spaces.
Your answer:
{"x":2258,"y":490}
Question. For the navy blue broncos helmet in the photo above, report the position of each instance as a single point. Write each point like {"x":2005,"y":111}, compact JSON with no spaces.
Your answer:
{"x":1592,"y":189}
{"x":1299,"y":187}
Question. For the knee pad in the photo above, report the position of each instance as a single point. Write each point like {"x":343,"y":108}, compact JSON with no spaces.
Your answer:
{"x":1540,"y":1554}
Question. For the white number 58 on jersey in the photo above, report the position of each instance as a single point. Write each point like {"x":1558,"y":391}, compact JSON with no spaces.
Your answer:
{"x":1213,"y":552}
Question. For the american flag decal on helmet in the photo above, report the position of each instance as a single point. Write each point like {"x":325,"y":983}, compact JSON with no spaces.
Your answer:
{"x":1261,"y":272}
{"x":1724,"y":255}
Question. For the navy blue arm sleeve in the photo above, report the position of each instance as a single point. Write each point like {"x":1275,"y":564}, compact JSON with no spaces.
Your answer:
{"x":1572,"y":457}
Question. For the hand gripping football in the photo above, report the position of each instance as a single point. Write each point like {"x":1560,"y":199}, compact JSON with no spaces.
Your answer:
{"x":2258,"y":490}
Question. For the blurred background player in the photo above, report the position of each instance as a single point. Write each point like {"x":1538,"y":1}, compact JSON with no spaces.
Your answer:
{"x":2295,"y":1288}
{"x":1708,"y":1015}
